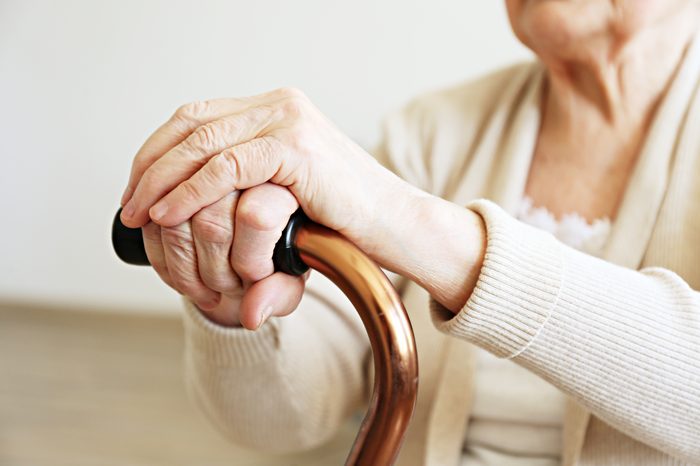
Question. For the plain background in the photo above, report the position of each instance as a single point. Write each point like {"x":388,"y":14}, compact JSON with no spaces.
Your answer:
{"x":83,"y":83}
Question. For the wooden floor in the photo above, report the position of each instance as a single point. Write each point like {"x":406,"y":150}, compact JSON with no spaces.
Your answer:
{"x":85,"y":388}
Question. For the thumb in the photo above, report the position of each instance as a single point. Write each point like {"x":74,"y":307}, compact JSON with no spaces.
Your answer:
{"x":276,"y":295}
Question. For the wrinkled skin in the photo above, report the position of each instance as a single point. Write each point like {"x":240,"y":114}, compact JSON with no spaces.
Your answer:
{"x":219,"y":181}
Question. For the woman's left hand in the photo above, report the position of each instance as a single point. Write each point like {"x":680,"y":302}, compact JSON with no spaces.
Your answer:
{"x":208,"y":149}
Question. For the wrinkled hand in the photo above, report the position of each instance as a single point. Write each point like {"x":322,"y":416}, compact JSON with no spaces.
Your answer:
{"x":230,"y":276}
{"x":209,"y":149}
{"x":215,"y":185}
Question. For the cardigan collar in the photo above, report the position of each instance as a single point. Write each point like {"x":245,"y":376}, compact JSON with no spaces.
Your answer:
{"x":645,"y":191}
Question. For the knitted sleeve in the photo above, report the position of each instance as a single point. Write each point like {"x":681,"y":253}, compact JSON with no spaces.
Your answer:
{"x":624,"y":343}
{"x":288,"y":386}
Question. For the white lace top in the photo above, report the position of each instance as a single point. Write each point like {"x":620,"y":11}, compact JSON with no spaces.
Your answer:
{"x":517,"y":417}
{"x":571,"y":229}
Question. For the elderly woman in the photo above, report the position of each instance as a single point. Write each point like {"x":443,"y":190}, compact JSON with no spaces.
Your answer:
{"x":579,"y":344}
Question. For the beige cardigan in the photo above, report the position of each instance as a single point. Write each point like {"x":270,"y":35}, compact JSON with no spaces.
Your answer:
{"x":623,"y":344}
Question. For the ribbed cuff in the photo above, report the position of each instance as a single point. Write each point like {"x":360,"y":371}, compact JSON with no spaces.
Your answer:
{"x":226,"y":345}
{"x":517,"y":288}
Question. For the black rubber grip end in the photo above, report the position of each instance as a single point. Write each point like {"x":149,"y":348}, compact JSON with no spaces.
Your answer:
{"x":286,"y":255}
{"x":128,"y":242}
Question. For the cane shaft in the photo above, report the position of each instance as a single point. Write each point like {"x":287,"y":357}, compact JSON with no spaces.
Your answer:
{"x":390,"y":334}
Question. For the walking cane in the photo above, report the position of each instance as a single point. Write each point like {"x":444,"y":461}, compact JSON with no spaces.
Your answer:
{"x":304,"y":244}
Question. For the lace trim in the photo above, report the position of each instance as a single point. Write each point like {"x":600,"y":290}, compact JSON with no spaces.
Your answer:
{"x":572,"y":229}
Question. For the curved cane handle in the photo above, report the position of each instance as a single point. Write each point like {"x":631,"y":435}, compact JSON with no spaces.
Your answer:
{"x":306,"y":244}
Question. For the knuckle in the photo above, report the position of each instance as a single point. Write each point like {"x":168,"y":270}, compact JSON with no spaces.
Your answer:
{"x":255,"y":215}
{"x":227,"y":164}
{"x":149,"y":178}
{"x":251,"y":269}
{"x":293,"y":103}
{"x":204,"y":137}
{"x":219,"y":281}
{"x":191,"y":189}
{"x":291,"y":92}
{"x":293,"y":107}
{"x":278,"y":198}
{"x":177,"y":238}
{"x":212,"y":228}
{"x":138,"y":162}
{"x":186,"y":285}
{"x":233,"y":125}
{"x":192,"y":111}
{"x":151,"y":233}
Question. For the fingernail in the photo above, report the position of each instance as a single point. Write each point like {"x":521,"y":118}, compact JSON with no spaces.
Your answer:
{"x":264,"y":314}
{"x":159,"y":210}
{"x":126,"y":196}
{"x":128,"y":210}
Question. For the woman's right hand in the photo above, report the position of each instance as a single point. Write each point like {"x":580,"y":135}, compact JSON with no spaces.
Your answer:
{"x":221,"y":259}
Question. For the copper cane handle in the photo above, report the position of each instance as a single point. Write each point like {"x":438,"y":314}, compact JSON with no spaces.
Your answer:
{"x":305,"y":243}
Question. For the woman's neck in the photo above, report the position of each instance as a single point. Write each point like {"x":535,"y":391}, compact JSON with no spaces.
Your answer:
{"x":617,"y":88}
{"x":596,"y":114}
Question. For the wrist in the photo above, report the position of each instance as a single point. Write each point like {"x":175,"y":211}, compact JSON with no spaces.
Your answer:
{"x":439,"y":245}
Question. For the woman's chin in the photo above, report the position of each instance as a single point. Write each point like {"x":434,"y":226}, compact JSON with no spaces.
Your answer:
{"x":562,"y":28}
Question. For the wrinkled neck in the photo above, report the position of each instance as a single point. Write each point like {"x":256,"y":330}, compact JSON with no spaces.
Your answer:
{"x":622,"y":83}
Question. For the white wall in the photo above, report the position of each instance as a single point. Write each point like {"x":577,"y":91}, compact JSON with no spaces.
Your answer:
{"x":83,"y":83}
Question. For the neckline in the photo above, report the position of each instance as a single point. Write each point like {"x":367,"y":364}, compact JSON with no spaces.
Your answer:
{"x":571,"y":229}
{"x":527,"y":206}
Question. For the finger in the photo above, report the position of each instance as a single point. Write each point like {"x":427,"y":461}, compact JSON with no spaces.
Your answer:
{"x":181,"y":124}
{"x":277,"y":295}
{"x":212,"y":229}
{"x":162,"y":140}
{"x":240,"y":167}
{"x":246,"y":114}
{"x":186,"y":158}
{"x":261,"y":214}
{"x":154,"y":251}
{"x":181,"y":260}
